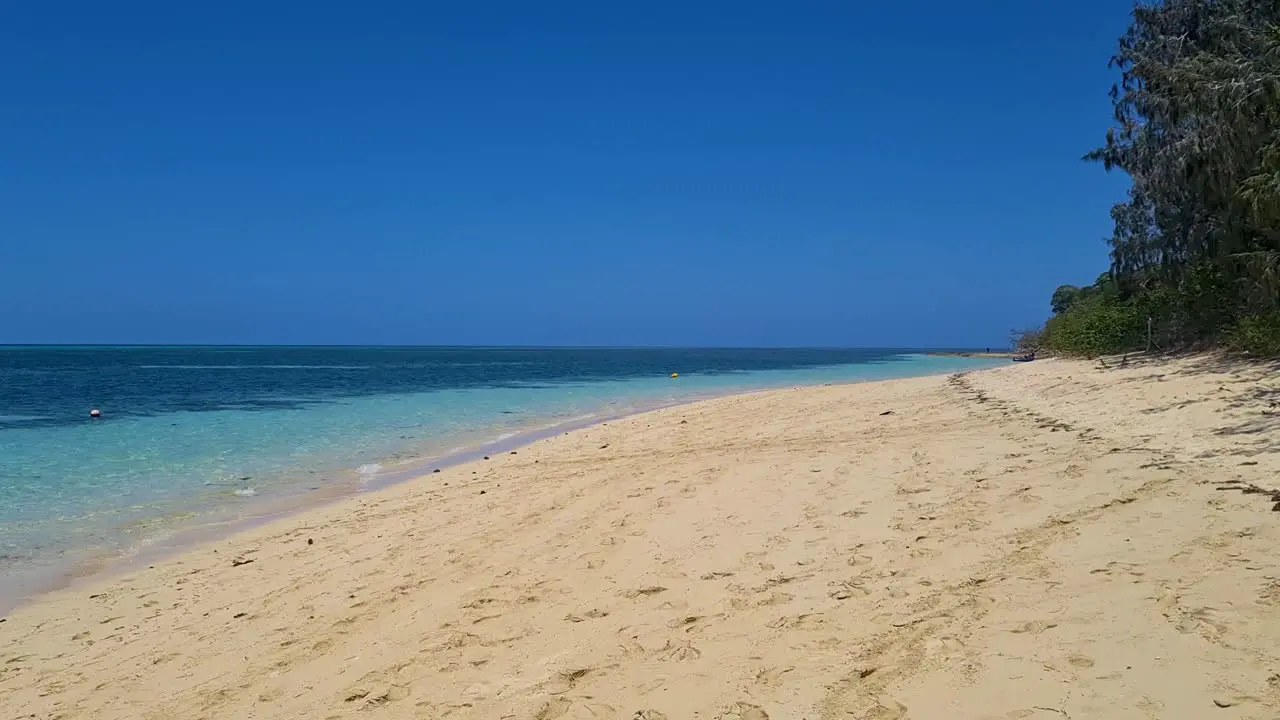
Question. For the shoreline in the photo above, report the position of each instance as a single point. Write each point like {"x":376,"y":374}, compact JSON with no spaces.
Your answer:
{"x":999,"y":355}
{"x":980,"y":544}
{"x":94,"y":568}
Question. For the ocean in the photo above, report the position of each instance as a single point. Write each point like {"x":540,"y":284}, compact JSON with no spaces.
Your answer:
{"x":196,"y":438}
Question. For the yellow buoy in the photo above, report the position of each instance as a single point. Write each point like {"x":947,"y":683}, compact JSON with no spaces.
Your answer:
{"x":675,"y":375}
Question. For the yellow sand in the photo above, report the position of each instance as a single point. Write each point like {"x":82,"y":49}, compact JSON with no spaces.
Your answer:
{"x":1039,"y":541}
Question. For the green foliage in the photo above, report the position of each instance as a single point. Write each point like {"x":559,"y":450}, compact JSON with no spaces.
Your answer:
{"x":1197,"y":129}
{"x":1063,"y":298}
{"x":1096,"y":326}
{"x":1257,"y":335}
{"x":1195,"y":252}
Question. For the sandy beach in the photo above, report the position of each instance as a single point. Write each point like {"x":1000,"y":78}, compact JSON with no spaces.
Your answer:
{"x":1050,"y":539}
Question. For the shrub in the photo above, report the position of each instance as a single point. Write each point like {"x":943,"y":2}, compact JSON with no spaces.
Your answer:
{"x":1257,"y":335}
{"x":1098,"y":326}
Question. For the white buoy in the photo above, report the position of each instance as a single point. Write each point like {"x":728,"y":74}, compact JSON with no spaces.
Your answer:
{"x":95,"y":413}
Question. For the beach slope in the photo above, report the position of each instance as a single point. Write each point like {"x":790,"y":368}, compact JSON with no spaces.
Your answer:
{"x":1054,"y":539}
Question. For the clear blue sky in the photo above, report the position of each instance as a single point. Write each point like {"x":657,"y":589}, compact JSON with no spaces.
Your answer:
{"x":676,"y":173}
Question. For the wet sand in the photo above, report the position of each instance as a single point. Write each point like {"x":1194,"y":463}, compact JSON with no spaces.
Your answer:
{"x":1049,"y":539}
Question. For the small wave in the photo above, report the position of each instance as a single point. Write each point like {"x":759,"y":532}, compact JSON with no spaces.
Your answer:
{"x":491,"y":363}
{"x":21,"y":418}
{"x":245,"y":492}
{"x":254,"y":367}
{"x":370,"y":469}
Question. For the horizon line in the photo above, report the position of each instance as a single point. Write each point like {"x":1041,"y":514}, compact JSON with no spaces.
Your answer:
{"x":492,"y":347}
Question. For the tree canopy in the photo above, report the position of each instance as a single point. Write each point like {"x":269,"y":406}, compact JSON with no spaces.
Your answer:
{"x":1195,"y":251}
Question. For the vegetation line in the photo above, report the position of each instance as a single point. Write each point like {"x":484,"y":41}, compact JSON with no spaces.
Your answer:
{"x":1195,"y":253}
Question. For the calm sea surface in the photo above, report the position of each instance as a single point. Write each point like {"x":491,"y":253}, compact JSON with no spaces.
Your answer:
{"x":196,"y":435}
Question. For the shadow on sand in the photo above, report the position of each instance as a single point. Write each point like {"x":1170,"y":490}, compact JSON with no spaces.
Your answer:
{"x":1248,"y":387}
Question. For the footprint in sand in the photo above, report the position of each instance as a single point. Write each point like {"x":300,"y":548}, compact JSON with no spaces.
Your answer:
{"x":644,"y":591}
{"x":426,"y":708}
{"x":808,"y":621}
{"x":632,"y":648}
{"x":777,"y":598}
{"x":368,"y":697}
{"x":1269,"y":594}
{"x":777,"y":580}
{"x":567,"y":708}
{"x":1116,"y":568}
{"x":592,"y":614}
{"x":887,"y":709}
{"x":772,"y":676}
{"x":743,"y":711}
{"x":566,"y":680}
{"x":690,"y":623}
{"x":1080,"y":661}
{"x":944,"y":647}
{"x":462,"y":639}
{"x":859,"y":558}
{"x":679,"y":653}
{"x":1201,"y":621}
{"x":1034,"y":627}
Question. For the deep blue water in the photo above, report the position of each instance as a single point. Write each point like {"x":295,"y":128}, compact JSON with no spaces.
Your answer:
{"x":192,"y":433}
{"x":41,"y":387}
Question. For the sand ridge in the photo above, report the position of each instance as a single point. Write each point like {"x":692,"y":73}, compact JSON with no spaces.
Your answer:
{"x":1053,"y":539}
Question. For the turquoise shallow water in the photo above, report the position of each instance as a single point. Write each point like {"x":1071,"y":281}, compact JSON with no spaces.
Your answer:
{"x":194,"y":435}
